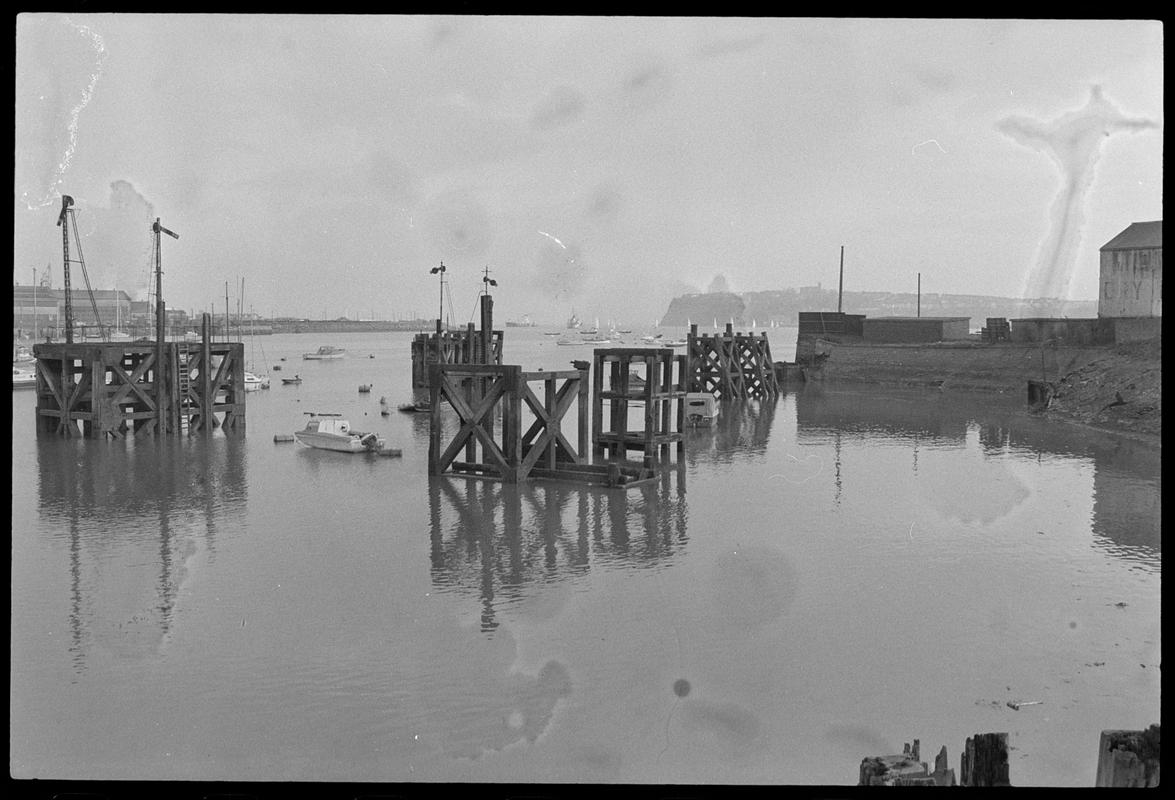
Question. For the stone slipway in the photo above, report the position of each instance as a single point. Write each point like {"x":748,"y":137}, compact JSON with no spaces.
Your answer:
{"x":1002,"y":367}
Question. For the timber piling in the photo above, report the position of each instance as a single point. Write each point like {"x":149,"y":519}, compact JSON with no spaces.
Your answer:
{"x":730,"y":366}
{"x":100,"y":389}
{"x":653,"y":377}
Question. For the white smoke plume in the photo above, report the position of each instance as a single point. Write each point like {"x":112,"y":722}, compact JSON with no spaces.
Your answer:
{"x":1074,"y":143}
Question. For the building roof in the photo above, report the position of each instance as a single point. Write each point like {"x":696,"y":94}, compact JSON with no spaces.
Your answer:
{"x":1140,"y":235}
{"x":29,"y":292}
{"x":41,"y":292}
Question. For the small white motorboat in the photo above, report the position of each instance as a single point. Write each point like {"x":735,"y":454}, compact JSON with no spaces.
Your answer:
{"x":332,"y":432}
{"x":701,"y":409}
{"x":23,"y":378}
{"x":253,"y":381}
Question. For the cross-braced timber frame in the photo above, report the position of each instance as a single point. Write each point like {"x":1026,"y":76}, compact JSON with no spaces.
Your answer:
{"x":480,"y":394}
{"x":96,"y":390}
{"x":729,"y":365}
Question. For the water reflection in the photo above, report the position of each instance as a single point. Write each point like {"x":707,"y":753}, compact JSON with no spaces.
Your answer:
{"x":501,"y":540}
{"x":1127,"y":474}
{"x":741,"y":429}
{"x":823,"y":412}
{"x":160,"y":498}
{"x":1127,"y":503}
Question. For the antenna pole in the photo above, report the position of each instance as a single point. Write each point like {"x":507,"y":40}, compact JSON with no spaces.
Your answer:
{"x":62,"y":220}
{"x":841,"y":288}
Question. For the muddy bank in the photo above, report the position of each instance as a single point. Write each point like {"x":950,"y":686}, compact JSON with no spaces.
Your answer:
{"x":1117,"y":388}
{"x":1121,"y":391}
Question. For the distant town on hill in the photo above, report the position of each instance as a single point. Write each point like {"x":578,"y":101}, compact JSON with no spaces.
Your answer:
{"x":782,"y":306}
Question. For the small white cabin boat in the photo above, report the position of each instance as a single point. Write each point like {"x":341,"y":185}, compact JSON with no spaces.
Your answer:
{"x":253,"y":381}
{"x":701,"y":409}
{"x":332,"y":432}
{"x":23,"y":378}
{"x":326,"y":352}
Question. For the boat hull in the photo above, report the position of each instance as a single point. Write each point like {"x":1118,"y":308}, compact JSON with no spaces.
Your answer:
{"x":339,"y":443}
{"x":23,"y":378}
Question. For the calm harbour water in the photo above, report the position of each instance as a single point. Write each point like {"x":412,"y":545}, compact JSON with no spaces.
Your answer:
{"x":826,"y":576}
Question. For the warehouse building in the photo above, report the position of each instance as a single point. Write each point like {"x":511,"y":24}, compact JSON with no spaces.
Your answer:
{"x":1132,"y":272}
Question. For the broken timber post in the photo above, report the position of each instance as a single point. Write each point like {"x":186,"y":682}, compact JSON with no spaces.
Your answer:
{"x":985,"y":760}
{"x":895,"y":770}
{"x":1128,"y":758}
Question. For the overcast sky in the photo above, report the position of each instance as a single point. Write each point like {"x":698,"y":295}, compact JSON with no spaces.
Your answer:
{"x":601,"y":164}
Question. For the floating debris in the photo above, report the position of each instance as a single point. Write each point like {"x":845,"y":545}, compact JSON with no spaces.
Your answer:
{"x":1018,"y":704}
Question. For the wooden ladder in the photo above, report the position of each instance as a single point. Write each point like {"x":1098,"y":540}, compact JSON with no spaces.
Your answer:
{"x":183,"y":353}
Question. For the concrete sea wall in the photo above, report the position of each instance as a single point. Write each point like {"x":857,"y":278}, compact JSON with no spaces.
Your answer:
{"x":1002,"y":367}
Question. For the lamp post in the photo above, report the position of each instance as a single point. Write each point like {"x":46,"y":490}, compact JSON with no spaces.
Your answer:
{"x":487,"y":280}
{"x":34,"y":304}
{"x":441,"y":306}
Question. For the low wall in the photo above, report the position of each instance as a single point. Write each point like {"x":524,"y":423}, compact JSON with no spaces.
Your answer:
{"x":909,"y":330}
{"x":999,"y":367}
{"x":1065,"y":331}
{"x":1136,"y":329}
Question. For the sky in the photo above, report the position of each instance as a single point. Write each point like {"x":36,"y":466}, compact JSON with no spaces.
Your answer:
{"x":596,"y":165}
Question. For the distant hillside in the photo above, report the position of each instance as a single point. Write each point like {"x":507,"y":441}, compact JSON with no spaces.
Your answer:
{"x":784,"y":305}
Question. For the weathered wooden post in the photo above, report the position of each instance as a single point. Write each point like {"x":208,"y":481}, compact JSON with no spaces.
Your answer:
{"x":1128,"y":758}
{"x":985,"y":760}
{"x":207,"y":398}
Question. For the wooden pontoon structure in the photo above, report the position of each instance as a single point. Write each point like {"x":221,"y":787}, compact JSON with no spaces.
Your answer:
{"x":457,"y":347}
{"x":510,"y":422}
{"x":99,"y":389}
{"x":630,"y":377}
{"x":729,"y":365}
{"x":483,"y":393}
